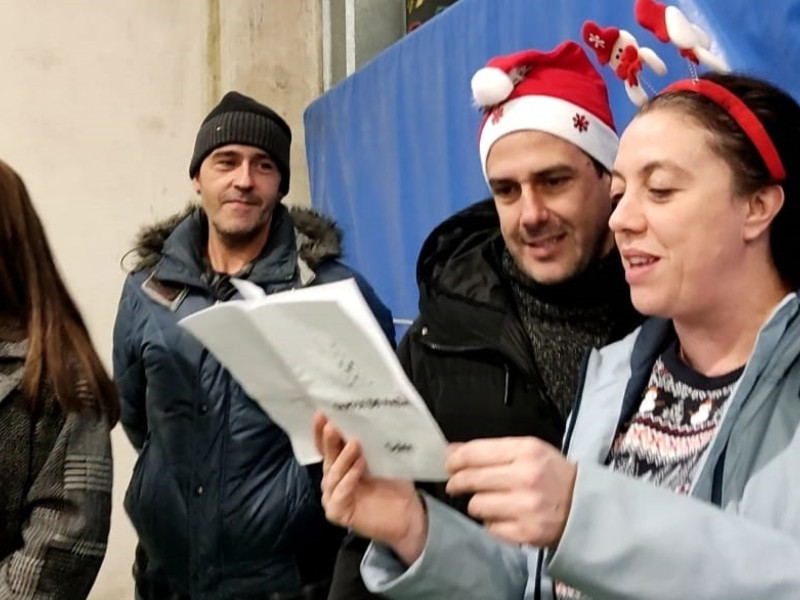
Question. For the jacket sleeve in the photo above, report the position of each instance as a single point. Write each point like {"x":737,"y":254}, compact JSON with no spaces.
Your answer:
{"x":346,"y":583}
{"x":69,"y":507}
{"x":128,"y":366}
{"x":333,"y":270}
{"x":379,"y":309}
{"x":460,"y":561}
{"x":646,"y":535}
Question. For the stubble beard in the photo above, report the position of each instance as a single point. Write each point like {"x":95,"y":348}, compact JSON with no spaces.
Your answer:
{"x":239,"y":237}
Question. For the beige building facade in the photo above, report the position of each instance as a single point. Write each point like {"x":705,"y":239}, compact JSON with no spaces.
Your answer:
{"x":99,"y":107}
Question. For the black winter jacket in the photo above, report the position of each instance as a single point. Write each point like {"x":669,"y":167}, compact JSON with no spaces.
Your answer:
{"x":221,"y":507}
{"x":468,"y":353}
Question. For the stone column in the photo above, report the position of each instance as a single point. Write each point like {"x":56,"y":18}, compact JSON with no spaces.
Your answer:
{"x":271,"y":50}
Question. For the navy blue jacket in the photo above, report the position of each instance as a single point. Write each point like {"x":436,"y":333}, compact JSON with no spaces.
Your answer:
{"x":221,"y":507}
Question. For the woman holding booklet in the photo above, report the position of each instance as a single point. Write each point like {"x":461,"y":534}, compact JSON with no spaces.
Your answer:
{"x":678,"y":476}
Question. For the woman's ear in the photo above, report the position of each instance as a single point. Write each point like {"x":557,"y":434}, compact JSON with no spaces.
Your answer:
{"x":762,"y":207}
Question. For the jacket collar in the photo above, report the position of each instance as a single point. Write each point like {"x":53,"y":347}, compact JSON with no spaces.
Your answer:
{"x":184,"y":250}
{"x":622,"y":369}
{"x":300,"y":239}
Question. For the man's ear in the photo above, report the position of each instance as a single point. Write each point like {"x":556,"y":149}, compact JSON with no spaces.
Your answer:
{"x":762,"y":207}
{"x":196,"y":184}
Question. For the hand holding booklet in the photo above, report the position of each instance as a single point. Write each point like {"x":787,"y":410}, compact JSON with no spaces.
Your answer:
{"x":320,"y":347}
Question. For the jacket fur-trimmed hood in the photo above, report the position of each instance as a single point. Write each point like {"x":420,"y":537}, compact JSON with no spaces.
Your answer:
{"x":318,"y":238}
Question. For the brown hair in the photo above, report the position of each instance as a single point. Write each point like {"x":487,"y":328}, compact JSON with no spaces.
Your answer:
{"x":60,"y":353}
{"x":779,"y":113}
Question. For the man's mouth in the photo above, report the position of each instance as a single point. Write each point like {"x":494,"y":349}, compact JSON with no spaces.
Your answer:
{"x":546,"y":241}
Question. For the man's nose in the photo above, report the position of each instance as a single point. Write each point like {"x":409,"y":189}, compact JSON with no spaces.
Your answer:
{"x":244,"y":179}
{"x":534,"y":209}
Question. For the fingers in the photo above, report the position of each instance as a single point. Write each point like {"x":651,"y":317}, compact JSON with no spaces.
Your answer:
{"x":500,"y":506}
{"x":335,"y":468}
{"x":331,"y":447}
{"x":327,"y":439}
{"x":332,"y":442}
{"x":338,"y":499}
{"x":319,"y":422}
{"x":339,"y":478}
{"x":345,"y":458}
{"x":487,"y":479}
{"x":343,"y":467}
{"x":511,"y":531}
{"x":492,"y":452}
{"x":515,"y":517}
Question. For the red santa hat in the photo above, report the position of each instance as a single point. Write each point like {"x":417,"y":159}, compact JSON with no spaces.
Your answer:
{"x":558,"y":92}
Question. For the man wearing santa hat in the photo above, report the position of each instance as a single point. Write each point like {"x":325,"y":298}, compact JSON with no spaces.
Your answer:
{"x":515,"y":289}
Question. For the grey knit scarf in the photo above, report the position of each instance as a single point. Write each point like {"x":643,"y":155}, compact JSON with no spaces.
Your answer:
{"x":564,"y":320}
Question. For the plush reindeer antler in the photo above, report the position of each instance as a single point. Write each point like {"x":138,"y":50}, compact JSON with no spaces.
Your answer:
{"x":618,"y":49}
{"x":669,"y":24}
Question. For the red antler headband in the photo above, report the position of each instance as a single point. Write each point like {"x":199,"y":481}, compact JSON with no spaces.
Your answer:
{"x":740,"y":113}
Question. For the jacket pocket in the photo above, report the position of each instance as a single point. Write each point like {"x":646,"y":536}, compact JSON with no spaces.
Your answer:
{"x":133,"y":494}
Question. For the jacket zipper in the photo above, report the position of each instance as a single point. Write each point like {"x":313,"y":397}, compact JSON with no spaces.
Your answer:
{"x":576,"y":403}
{"x":454,"y":349}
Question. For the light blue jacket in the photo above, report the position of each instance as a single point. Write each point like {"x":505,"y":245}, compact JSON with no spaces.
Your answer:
{"x":626,"y":538}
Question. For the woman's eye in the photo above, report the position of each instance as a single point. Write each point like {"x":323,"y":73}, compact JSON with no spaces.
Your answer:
{"x":661,"y":193}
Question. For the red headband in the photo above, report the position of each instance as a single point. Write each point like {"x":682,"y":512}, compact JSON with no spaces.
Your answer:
{"x":740,"y":113}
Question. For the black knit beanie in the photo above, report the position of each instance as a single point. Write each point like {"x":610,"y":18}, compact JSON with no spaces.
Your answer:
{"x":238,"y":119}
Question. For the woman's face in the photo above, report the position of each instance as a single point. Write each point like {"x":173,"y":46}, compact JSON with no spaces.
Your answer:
{"x":678,"y":224}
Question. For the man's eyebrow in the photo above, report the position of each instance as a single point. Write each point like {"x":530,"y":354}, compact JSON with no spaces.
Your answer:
{"x":551,"y":171}
{"x":225,"y":154}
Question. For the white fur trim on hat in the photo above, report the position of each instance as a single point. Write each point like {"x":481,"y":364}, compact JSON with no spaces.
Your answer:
{"x":555,"y":116}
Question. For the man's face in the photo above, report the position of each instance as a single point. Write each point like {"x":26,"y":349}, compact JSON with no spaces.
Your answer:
{"x":553,"y":205}
{"x":238,"y":186}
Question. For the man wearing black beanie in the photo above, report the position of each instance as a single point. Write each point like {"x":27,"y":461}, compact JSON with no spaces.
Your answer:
{"x":221,"y":507}
{"x":242,"y":120}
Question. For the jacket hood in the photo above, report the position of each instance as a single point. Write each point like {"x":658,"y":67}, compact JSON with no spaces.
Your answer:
{"x":462,"y":298}
{"x":318,"y":237}
{"x":461,"y":258}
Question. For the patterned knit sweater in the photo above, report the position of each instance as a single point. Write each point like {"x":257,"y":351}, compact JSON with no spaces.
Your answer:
{"x":665,"y":441}
{"x":55,"y":495}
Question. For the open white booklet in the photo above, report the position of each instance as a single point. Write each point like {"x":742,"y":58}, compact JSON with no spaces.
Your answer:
{"x":320,"y":347}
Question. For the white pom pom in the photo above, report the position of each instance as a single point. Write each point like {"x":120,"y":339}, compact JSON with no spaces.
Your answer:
{"x":491,"y":86}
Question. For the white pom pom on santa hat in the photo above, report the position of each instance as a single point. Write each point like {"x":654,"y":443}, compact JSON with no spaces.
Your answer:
{"x":491,"y":86}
